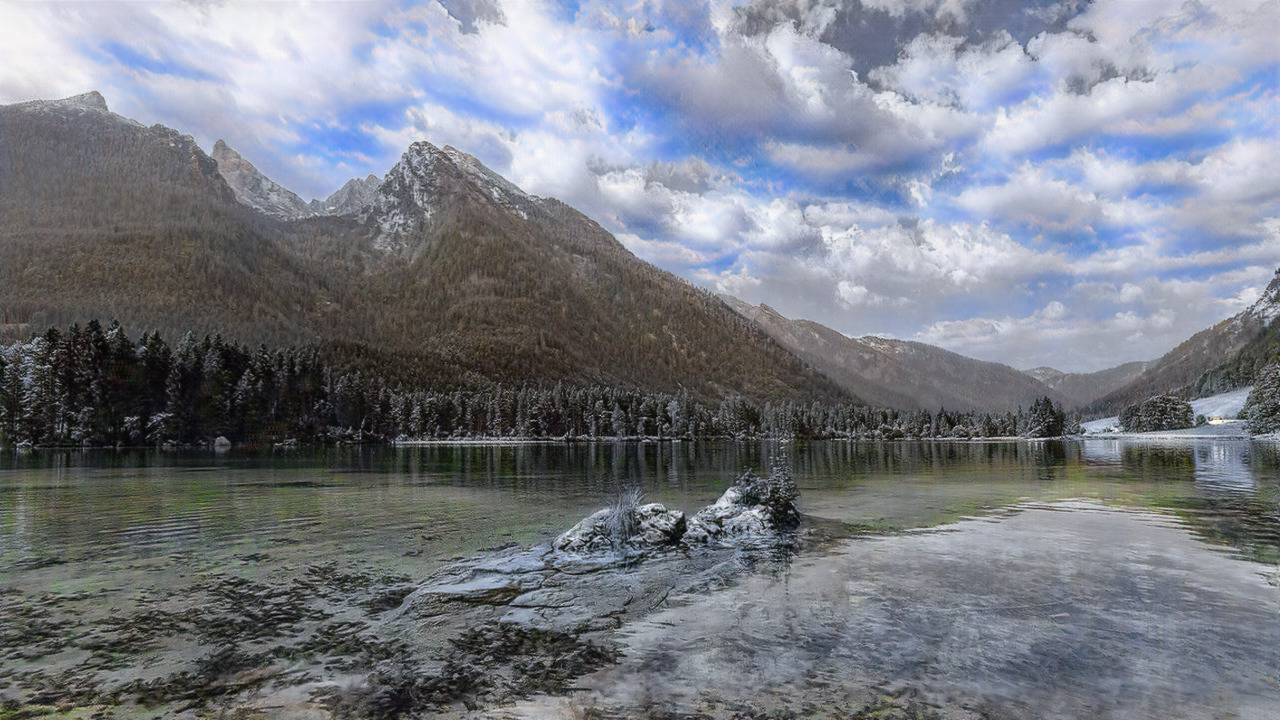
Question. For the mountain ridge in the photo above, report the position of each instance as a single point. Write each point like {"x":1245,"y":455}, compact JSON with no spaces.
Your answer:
{"x":1217,"y":359}
{"x":449,"y":272}
{"x":900,"y":373}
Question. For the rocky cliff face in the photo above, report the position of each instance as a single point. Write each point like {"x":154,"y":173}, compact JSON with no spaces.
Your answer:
{"x":256,"y":190}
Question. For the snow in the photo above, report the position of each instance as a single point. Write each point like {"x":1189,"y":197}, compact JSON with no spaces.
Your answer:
{"x":1267,"y":307}
{"x":1223,"y":408}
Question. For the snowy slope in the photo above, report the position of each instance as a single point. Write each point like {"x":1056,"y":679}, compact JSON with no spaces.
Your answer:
{"x":1223,"y":407}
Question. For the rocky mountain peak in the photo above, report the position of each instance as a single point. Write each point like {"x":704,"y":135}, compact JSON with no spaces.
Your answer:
{"x":254,"y":189}
{"x":426,"y":175}
{"x":1267,"y":306}
{"x":90,"y":101}
{"x":350,"y":199}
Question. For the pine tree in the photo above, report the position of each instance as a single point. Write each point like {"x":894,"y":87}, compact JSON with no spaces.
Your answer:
{"x":1262,"y":408}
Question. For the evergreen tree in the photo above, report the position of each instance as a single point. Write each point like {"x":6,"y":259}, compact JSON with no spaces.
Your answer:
{"x":1262,"y":408}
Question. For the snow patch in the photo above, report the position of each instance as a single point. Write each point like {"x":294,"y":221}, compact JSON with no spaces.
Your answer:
{"x":1224,"y":408}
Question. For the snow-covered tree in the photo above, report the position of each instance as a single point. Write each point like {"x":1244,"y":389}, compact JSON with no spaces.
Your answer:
{"x":1162,"y":412}
{"x":1262,"y":408}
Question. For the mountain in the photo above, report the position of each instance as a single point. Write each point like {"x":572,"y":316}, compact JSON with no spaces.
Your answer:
{"x":350,"y":199}
{"x":446,"y":274}
{"x":1217,"y":359}
{"x":897,"y":373}
{"x":1083,"y":388}
{"x":254,"y":189}
{"x":106,"y":218}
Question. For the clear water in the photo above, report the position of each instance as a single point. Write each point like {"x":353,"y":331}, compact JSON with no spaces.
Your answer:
{"x":108,"y":531}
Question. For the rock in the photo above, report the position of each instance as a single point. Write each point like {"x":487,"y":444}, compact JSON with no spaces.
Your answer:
{"x":659,"y":526}
{"x":645,"y":527}
{"x":222,"y":443}
{"x":751,"y":506}
{"x":485,"y":589}
{"x":590,"y":534}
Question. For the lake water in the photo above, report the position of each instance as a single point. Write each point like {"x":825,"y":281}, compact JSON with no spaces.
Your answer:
{"x":1093,"y":578}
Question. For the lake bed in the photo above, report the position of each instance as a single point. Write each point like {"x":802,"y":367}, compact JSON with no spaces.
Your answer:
{"x":1094,"y":578}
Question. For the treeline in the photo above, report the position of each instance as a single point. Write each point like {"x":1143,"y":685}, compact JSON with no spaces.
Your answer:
{"x":95,"y":386}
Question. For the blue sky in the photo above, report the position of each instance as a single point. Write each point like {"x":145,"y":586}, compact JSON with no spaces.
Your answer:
{"x":1074,"y":184}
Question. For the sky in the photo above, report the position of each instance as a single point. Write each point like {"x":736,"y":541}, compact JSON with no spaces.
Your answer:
{"x":1063,"y":183}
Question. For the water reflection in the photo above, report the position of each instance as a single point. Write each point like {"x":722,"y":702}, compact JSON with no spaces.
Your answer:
{"x":150,"y":502}
{"x":1223,"y":466}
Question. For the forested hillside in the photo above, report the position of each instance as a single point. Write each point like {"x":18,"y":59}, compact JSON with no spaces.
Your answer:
{"x":1224,"y":357}
{"x":899,"y":373}
{"x":463,"y":279}
{"x":95,"y":386}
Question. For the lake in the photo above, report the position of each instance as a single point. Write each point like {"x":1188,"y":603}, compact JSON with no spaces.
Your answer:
{"x":1091,"y":578}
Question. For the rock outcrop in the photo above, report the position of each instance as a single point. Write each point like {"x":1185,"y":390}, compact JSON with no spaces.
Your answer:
{"x":754,"y":508}
{"x":623,"y":528}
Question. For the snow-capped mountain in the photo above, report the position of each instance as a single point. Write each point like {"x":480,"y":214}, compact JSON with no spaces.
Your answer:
{"x":256,"y":190}
{"x":350,"y":199}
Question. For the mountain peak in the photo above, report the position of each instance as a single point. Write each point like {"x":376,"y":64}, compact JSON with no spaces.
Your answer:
{"x":91,"y":101}
{"x":425,"y":179}
{"x":1267,"y":307}
{"x":254,"y":189}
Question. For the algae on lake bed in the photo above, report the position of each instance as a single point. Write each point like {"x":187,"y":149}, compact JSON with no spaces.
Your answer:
{"x":274,"y":590}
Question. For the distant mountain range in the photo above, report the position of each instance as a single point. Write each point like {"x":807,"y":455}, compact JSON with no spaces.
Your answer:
{"x":898,"y":373}
{"x":450,"y":275}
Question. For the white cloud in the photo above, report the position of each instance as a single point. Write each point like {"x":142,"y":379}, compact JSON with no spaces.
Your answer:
{"x":1140,"y":137}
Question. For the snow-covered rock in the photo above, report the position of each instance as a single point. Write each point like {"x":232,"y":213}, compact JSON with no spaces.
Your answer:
{"x":729,"y":516}
{"x":751,"y":506}
{"x":650,"y":526}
